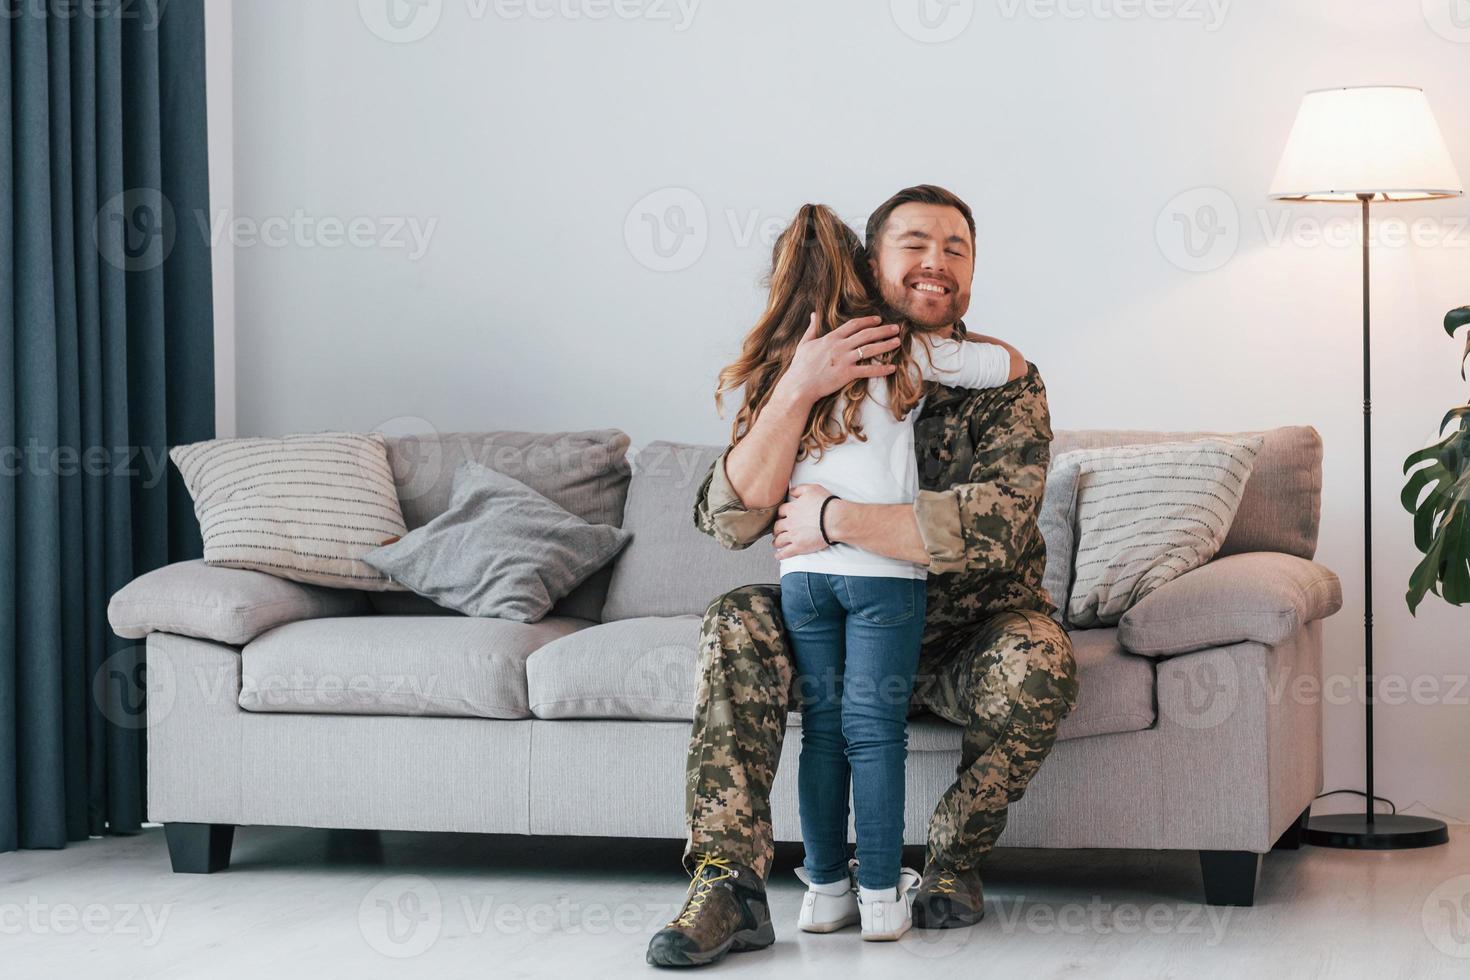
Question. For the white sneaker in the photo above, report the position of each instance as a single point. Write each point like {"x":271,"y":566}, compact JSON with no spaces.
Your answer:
{"x":886,"y":913}
{"x":829,"y":907}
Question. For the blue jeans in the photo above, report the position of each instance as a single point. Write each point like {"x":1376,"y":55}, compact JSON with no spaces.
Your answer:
{"x":855,"y":640}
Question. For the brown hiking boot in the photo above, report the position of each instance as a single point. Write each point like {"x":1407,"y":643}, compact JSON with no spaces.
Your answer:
{"x":948,"y":898}
{"x":725,"y":910}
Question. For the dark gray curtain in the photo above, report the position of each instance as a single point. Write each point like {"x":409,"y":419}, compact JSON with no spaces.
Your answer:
{"x":107,"y":358}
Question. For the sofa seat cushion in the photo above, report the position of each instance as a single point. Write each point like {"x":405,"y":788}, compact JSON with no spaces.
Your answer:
{"x":633,"y":668}
{"x":447,"y":666}
{"x":647,"y":669}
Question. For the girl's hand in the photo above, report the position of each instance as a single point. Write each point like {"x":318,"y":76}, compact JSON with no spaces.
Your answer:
{"x":827,"y":363}
{"x":796,"y":529}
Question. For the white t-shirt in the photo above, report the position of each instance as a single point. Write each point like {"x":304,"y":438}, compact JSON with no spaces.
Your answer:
{"x":883,"y":469}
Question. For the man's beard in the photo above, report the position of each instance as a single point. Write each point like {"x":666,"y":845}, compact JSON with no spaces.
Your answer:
{"x":905,"y":307}
{"x":894,"y":314}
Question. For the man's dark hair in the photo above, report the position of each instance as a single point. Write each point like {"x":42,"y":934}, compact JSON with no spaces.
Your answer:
{"x":918,"y":194}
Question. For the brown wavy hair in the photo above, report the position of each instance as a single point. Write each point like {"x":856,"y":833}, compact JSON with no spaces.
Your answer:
{"x":818,"y":264}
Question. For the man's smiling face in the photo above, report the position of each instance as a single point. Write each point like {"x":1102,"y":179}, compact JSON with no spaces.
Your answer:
{"x":924,"y":262}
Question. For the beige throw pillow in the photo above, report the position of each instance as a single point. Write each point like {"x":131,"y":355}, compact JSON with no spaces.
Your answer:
{"x":302,"y":507}
{"x":1146,"y":514}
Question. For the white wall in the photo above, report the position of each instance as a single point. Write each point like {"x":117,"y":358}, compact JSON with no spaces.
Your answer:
{"x":529,"y":143}
{"x":219,"y":83}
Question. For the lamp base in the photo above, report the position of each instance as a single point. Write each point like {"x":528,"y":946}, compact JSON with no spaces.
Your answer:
{"x":1387,"y":832}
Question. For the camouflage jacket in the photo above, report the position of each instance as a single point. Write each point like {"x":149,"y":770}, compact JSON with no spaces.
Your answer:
{"x":983,"y":456}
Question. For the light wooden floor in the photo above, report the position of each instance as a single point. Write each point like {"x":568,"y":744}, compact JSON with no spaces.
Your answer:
{"x":320,"y":904}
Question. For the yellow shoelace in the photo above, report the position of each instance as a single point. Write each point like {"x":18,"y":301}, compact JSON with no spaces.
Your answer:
{"x":699,"y":888}
{"x":945,"y":883}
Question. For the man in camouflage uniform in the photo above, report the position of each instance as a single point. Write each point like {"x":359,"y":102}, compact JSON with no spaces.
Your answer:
{"x":992,"y":660}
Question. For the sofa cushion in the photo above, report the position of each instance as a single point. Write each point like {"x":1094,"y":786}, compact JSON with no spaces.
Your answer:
{"x":633,"y":668}
{"x":501,"y":550}
{"x":1141,"y":516}
{"x":584,"y":472}
{"x":1264,"y":596}
{"x":227,"y":605}
{"x":670,"y":568}
{"x":1281,"y":507}
{"x":647,"y":669}
{"x":305,"y":507}
{"x":450,"y":666}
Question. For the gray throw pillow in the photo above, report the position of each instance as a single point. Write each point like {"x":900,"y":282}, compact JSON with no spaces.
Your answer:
{"x":501,"y":549}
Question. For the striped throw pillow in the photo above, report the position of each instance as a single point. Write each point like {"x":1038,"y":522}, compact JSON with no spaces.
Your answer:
{"x":302,"y":507}
{"x":1146,"y":514}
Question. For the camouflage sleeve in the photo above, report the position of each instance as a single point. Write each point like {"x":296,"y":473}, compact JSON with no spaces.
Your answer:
{"x":719,"y":513}
{"x":984,"y":524}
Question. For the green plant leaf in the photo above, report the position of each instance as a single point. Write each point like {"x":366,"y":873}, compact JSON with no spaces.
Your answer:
{"x":1454,"y":320}
{"x":1442,"y":517}
{"x":1455,"y":573}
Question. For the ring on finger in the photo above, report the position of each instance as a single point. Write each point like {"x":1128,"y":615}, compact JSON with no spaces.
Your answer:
{"x":861,"y":355}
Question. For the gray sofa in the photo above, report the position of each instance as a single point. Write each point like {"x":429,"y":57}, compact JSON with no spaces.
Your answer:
{"x":276,"y":703}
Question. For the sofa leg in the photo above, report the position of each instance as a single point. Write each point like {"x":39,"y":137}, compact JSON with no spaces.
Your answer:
{"x":199,"y":848}
{"x":1230,"y":876}
{"x":1291,"y":840}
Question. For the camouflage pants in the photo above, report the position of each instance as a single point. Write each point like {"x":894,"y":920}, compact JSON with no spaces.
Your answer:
{"x":1009,"y":680}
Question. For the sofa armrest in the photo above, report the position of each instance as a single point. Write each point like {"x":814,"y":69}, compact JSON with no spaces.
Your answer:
{"x":1263,"y":596}
{"x":227,"y":605}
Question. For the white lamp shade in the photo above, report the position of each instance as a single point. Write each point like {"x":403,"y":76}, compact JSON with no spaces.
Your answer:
{"x":1380,"y":140}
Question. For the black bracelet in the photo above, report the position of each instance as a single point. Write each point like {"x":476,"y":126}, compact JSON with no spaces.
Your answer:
{"x":822,"y":519}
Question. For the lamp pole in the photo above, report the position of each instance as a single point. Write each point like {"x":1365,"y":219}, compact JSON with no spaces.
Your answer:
{"x":1371,"y":831}
{"x":1369,"y":684}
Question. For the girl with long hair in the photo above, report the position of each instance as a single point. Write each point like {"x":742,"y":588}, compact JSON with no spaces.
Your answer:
{"x":854,"y":619}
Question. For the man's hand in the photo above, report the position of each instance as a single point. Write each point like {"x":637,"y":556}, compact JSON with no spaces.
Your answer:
{"x":827,"y":363}
{"x":796,"y":531}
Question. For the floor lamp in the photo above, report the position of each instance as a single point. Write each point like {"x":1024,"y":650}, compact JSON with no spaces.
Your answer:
{"x":1357,"y":145}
